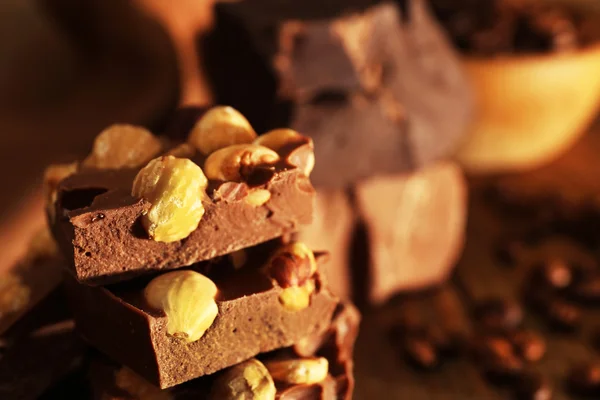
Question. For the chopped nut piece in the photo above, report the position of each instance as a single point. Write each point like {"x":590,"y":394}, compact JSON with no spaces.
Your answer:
{"x":292,"y":265}
{"x":278,"y":138}
{"x":52,"y":177}
{"x":258,"y":197}
{"x":249,"y":380}
{"x":221,"y":127}
{"x":238,"y":258}
{"x":297,"y":298}
{"x":299,"y":371}
{"x":123,"y":146}
{"x":175,"y":187}
{"x":231,"y":163}
{"x":188,"y":299}
{"x":14,"y":295}
{"x":302,"y":156}
{"x":138,"y":387}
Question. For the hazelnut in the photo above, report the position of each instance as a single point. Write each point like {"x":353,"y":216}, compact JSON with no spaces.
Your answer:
{"x":53,"y":175}
{"x":258,"y":197}
{"x":238,"y":258}
{"x":188,"y":299}
{"x":292,"y":265}
{"x":138,"y":387}
{"x":175,"y":188}
{"x":302,"y":156}
{"x":230,"y":163}
{"x":123,"y":146}
{"x":249,"y":380}
{"x":300,"y":371}
{"x":220,"y":127}
{"x":296,"y":298}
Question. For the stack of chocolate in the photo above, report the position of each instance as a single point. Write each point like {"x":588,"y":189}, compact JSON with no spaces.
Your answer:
{"x":182,"y":272}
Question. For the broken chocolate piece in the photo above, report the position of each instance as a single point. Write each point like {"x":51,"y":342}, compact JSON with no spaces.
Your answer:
{"x":251,"y":320}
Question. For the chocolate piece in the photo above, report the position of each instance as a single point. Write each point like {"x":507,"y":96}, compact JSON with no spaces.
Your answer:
{"x":99,"y":230}
{"x":352,"y":83}
{"x":415,"y":226}
{"x":39,"y":349}
{"x":111,"y":382}
{"x":251,"y":320}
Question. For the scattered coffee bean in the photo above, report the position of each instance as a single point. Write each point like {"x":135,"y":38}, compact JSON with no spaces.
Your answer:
{"x":508,"y":252}
{"x":420,"y":352}
{"x":499,"y":315}
{"x":529,"y":345}
{"x":533,"y":386}
{"x":585,"y":379}
{"x":563,"y":315}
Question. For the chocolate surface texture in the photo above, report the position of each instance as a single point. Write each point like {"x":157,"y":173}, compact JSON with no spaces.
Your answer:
{"x":251,"y":320}
{"x":336,"y":344}
{"x":100,"y":234}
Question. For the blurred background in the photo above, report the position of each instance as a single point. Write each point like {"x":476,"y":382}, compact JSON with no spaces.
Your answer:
{"x":503,"y":93}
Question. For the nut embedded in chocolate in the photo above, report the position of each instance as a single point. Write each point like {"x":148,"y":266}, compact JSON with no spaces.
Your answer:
{"x":175,"y":187}
{"x":298,"y":371}
{"x":234,"y":162}
{"x":249,"y":380}
{"x":220,"y":127}
{"x":188,"y":300}
{"x":292,"y":265}
{"x":258,"y":197}
{"x":300,"y":153}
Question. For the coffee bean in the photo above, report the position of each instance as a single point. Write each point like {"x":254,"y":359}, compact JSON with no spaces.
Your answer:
{"x":529,"y":345}
{"x":420,"y":352}
{"x":584,"y":379}
{"x":533,"y":386}
{"x":563,"y":315}
{"x":499,"y":315}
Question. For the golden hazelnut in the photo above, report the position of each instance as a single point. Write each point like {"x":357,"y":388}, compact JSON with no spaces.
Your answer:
{"x":221,"y":127}
{"x":249,"y":380}
{"x":299,"y":371}
{"x":175,"y":187}
{"x":188,"y":299}
{"x":302,"y":156}
{"x":258,"y":197}
{"x":292,"y":265}
{"x":123,"y":146}
{"x":53,"y":175}
{"x":138,"y":387}
{"x":296,"y":298}
{"x":229,"y":163}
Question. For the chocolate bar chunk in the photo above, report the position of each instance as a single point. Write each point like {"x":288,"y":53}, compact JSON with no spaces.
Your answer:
{"x":111,"y":382}
{"x":379,"y":91}
{"x":98,"y":224}
{"x":251,"y":319}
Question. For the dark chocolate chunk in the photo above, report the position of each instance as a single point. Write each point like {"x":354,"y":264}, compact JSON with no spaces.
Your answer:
{"x":251,"y":320}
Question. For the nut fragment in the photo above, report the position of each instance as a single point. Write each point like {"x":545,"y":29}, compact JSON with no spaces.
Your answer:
{"x":138,"y":387}
{"x":302,"y":156}
{"x":232,"y":162}
{"x":52,"y":177}
{"x":292,"y":265}
{"x":221,"y":127}
{"x":175,"y":187}
{"x":249,"y":380}
{"x":296,"y":298}
{"x":188,"y":299}
{"x":258,"y":197}
{"x":123,"y":146}
{"x":299,"y":371}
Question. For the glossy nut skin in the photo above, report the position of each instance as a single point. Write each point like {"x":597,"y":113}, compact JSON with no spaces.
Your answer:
{"x":220,"y":127}
{"x":175,"y":187}
{"x":123,"y":146}
{"x":292,"y":265}
{"x":188,"y":299}
{"x":299,"y":371}
{"x":302,"y":156}
{"x":227,"y":164}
